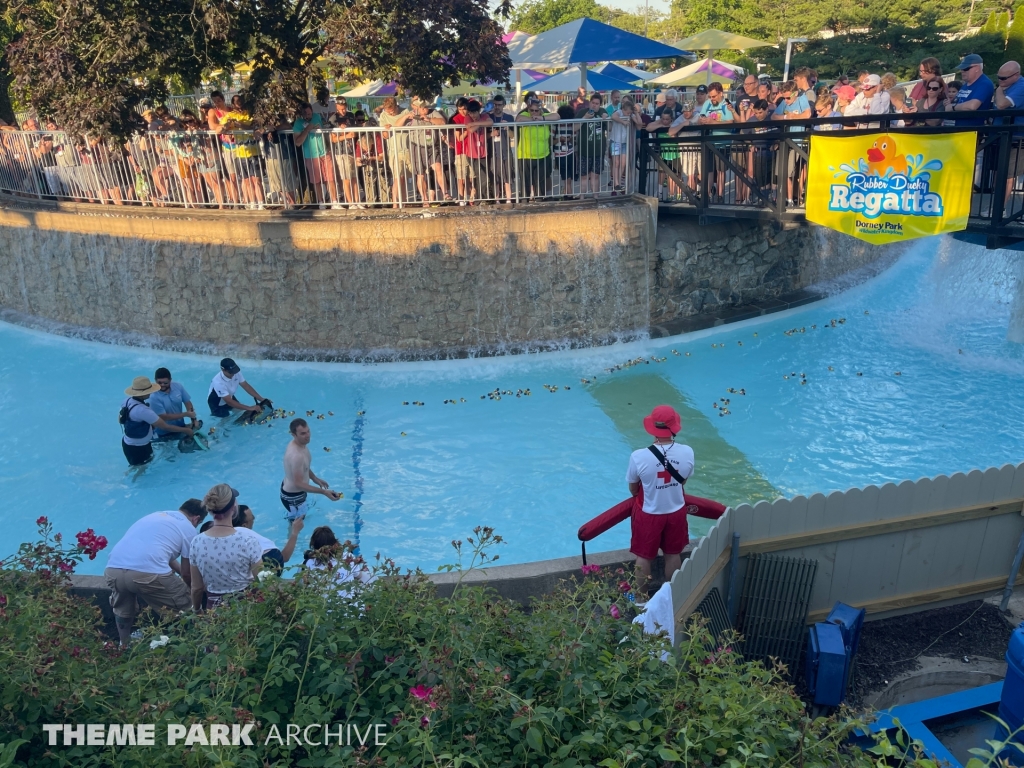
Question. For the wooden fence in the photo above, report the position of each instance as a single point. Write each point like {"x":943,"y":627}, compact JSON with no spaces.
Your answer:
{"x":888,"y":548}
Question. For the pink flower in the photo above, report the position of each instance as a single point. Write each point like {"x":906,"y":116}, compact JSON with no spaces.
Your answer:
{"x":42,"y":520}
{"x":424,"y":721}
{"x":389,"y":659}
{"x":66,"y":567}
{"x":395,"y":720}
{"x":614,"y":611}
{"x":433,"y":705}
{"x":624,"y":586}
{"x":421,"y":692}
{"x":588,"y":569}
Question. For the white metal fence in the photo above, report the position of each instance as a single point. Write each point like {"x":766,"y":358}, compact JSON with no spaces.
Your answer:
{"x":351,"y":167}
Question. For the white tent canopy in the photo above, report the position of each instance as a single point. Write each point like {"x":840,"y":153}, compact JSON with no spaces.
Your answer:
{"x":366,"y":89}
{"x":686,"y":75}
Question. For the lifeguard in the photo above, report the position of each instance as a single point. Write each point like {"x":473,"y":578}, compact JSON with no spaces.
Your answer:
{"x":662,"y":469}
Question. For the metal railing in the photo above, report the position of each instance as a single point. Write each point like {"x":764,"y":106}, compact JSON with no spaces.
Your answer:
{"x":394,"y":167}
{"x":759,"y":169}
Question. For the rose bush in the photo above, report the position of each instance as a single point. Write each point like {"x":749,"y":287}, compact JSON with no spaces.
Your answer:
{"x":470,"y":680}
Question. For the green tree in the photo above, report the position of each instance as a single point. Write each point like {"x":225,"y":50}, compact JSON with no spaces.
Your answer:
{"x":536,"y":16}
{"x":634,"y":22}
{"x":90,"y":64}
{"x":989,"y":27}
{"x":1015,"y":39}
{"x":7,"y":36}
{"x":421,"y":45}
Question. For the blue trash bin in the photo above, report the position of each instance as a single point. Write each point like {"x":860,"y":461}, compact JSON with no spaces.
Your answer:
{"x":1011,"y":704}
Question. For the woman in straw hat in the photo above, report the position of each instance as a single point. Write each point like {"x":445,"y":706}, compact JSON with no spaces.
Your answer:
{"x":656,"y":476}
{"x":137,"y":421}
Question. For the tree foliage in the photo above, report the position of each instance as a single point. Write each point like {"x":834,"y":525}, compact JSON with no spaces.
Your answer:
{"x":470,"y":679}
{"x":1015,"y":39}
{"x":536,"y":16}
{"x":90,"y":63}
{"x":421,"y":45}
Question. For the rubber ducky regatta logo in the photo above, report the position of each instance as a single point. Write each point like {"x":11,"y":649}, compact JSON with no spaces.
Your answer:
{"x":886,"y":182}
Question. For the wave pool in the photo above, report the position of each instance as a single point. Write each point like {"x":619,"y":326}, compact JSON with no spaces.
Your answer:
{"x":914,"y":378}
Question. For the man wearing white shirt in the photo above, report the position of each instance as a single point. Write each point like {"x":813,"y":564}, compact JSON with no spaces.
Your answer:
{"x":144,"y":563}
{"x":223,"y":388}
{"x":872,"y":100}
{"x":272,"y":556}
{"x":660,"y":523}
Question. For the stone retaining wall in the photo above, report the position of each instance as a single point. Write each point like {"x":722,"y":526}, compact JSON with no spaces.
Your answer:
{"x":701,"y":270}
{"x":437,"y":283}
{"x":427,"y":284}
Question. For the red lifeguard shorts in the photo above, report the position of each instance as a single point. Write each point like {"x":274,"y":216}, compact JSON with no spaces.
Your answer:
{"x":652,"y":532}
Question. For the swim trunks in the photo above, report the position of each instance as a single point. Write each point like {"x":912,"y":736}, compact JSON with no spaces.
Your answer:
{"x":295,"y":503}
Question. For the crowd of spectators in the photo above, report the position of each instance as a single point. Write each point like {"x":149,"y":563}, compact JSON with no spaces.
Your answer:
{"x":326,"y":154}
{"x":164,"y":561}
{"x":757,"y":103}
{"x":333,"y":154}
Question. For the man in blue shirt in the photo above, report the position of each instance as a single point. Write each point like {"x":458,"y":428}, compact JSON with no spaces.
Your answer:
{"x":172,"y":403}
{"x":976,"y":93}
{"x":794,"y":106}
{"x":1010,"y":95}
{"x":717,"y":109}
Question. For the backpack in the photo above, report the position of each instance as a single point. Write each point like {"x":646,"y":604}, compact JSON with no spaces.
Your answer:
{"x":137,"y":430}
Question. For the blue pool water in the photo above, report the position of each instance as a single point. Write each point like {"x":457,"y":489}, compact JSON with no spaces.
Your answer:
{"x":536,"y":467}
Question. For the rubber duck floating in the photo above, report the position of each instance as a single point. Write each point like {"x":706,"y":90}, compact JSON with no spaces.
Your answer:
{"x":882,"y":157}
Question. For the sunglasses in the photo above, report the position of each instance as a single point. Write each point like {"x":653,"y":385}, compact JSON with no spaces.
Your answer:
{"x":1006,"y":77}
{"x":934,"y":89}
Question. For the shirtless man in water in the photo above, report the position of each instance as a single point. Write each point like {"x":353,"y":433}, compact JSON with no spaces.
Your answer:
{"x":297,"y":473}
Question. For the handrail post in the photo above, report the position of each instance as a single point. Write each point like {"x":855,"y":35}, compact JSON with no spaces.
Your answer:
{"x":644,"y":160}
{"x":781,"y":175}
{"x":705,"y":185}
{"x":1001,"y":174}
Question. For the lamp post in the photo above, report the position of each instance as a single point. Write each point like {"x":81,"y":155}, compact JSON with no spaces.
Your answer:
{"x":789,"y":53}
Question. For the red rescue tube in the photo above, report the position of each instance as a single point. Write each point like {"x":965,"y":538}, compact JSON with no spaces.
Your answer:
{"x":695,"y":505}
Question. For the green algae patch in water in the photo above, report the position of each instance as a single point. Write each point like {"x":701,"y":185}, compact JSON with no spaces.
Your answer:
{"x":722,"y":471}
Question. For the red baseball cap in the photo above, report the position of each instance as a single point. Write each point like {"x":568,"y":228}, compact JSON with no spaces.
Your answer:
{"x":663,"y":421}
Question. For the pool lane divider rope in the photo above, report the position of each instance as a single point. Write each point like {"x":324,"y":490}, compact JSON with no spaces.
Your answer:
{"x":357,"y":457}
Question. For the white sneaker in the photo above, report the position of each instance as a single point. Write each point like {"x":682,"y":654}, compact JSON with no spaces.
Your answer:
{"x":259,"y":206}
{"x":323,"y":206}
{"x":337,"y":207}
{"x":360,"y":206}
{"x":462,"y":203}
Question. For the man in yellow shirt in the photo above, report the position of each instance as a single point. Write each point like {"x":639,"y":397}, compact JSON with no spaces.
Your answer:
{"x":533,"y":150}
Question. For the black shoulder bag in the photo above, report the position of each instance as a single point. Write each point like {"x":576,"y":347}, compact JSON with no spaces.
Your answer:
{"x":667,"y":465}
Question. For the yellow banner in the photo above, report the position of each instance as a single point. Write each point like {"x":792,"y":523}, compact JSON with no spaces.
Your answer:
{"x":886,"y":188}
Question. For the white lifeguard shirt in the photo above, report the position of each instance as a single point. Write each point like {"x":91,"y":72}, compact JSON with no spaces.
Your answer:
{"x":663,"y":495}
{"x":225,"y":386}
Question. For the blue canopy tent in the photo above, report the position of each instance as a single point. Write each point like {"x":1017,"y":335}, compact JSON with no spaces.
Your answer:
{"x":611,"y":69}
{"x":582,"y":41}
{"x":571,"y":78}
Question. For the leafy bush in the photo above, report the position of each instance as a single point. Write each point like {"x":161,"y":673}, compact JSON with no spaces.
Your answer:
{"x":470,"y":680}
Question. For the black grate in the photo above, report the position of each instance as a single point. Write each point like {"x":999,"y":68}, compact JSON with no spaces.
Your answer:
{"x":713,"y":609}
{"x":773,"y":607}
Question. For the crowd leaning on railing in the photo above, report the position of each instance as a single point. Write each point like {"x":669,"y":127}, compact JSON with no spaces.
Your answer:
{"x":335,"y":154}
{"x":331,"y":153}
{"x":757,"y":104}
